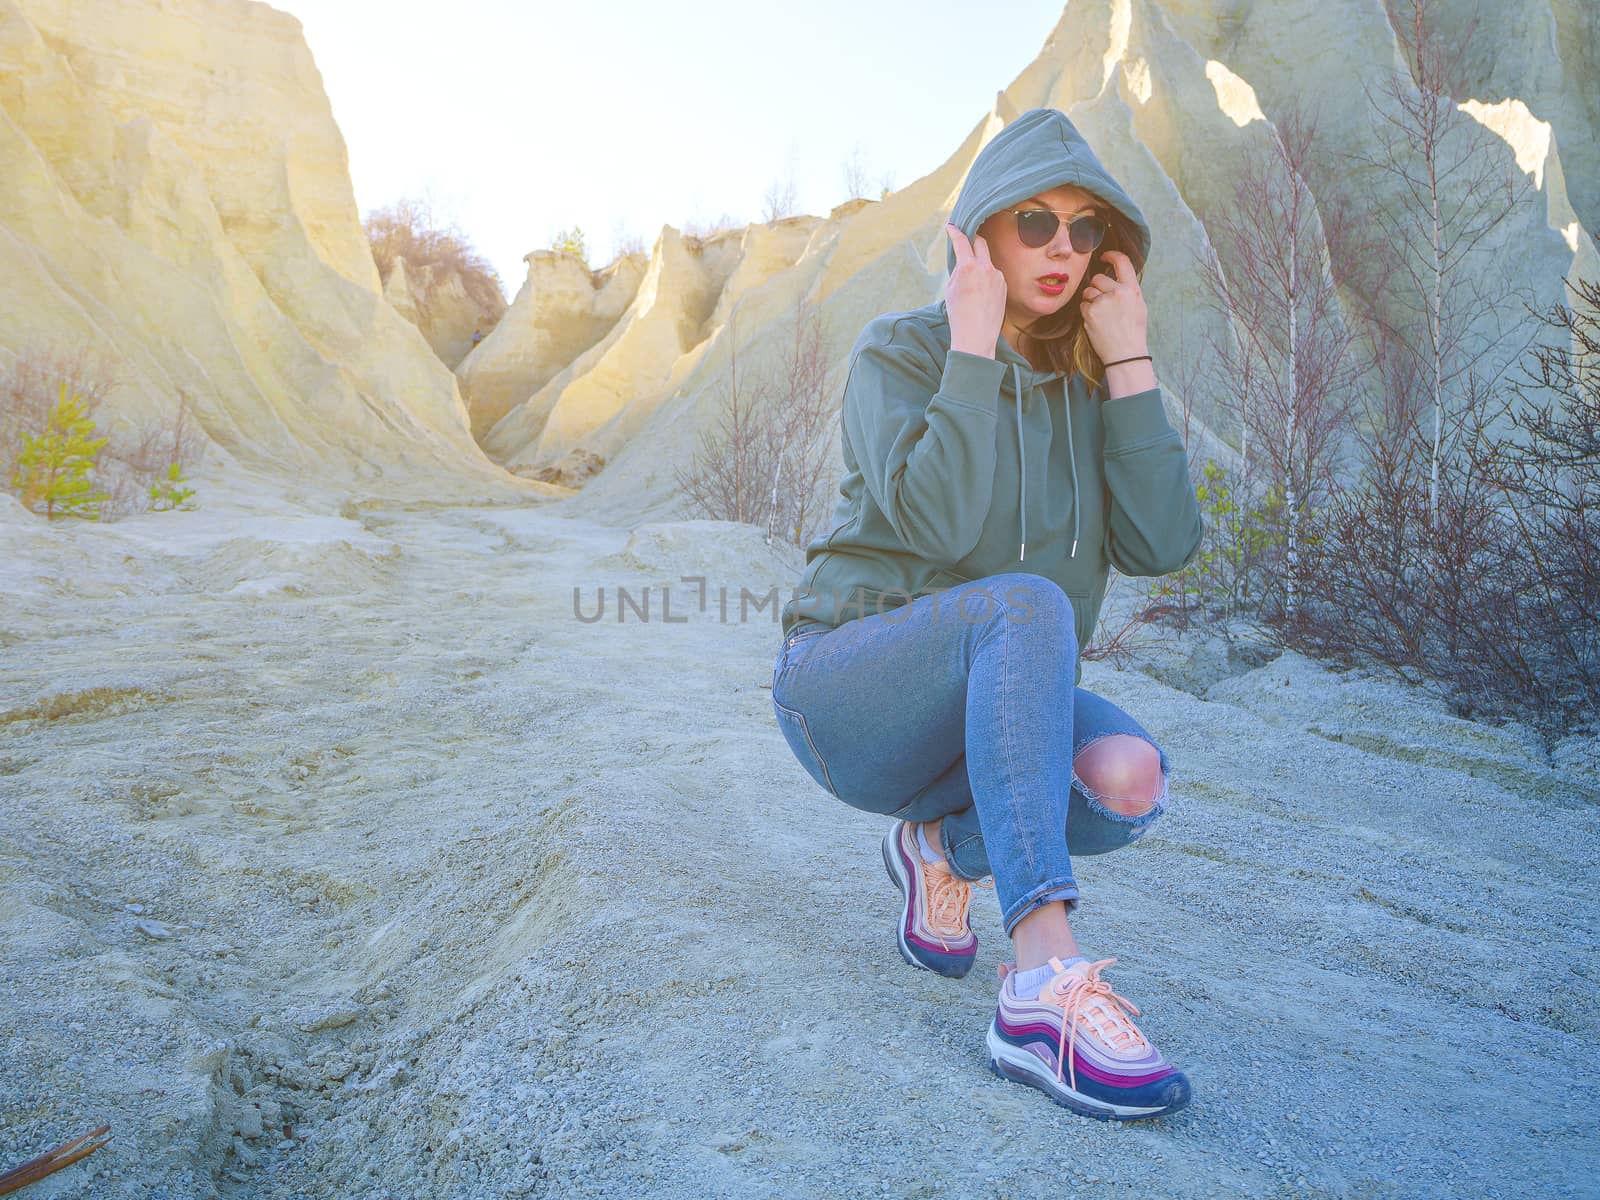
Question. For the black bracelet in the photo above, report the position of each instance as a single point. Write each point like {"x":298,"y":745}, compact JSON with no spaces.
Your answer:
{"x":1135,"y":358}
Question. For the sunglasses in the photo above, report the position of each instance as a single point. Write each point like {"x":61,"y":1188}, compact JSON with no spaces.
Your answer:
{"x":1036,"y":226}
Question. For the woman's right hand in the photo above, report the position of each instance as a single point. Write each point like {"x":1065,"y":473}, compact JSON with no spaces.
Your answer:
{"x":975,"y":296}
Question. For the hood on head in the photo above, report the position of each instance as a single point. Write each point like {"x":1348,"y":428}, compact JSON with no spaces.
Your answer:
{"x":1038,"y":151}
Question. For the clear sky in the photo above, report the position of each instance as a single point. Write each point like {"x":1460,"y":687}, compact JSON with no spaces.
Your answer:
{"x":516,"y":120}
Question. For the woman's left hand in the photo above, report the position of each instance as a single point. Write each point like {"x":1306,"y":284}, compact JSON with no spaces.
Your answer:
{"x":1114,"y":313}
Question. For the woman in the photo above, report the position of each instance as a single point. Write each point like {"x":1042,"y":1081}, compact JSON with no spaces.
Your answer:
{"x":1002,"y":449}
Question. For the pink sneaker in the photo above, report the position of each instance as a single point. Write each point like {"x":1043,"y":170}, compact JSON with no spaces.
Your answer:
{"x":933,"y":932}
{"x":1079,"y":1027}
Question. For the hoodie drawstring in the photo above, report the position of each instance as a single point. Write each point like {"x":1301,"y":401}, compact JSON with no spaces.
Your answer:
{"x":1022,"y":473}
{"x":1022,"y":462}
{"x":1072,"y":460}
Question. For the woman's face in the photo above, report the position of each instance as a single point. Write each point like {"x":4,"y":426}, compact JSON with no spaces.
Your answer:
{"x":1024,"y":266}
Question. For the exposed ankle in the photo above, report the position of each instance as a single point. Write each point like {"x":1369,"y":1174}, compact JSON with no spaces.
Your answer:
{"x":1030,"y":962}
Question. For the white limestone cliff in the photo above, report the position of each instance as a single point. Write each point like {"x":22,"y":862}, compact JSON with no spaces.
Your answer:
{"x":441,"y":305}
{"x":397,"y":291}
{"x":174,"y":193}
{"x":653,"y":346}
{"x":560,"y":311}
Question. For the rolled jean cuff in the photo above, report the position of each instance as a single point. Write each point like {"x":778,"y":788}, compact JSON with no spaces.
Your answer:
{"x":1040,"y":896}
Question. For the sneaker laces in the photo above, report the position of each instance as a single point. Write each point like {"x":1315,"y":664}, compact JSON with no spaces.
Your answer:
{"x":948,"y":898}
{"x":1091,"y":998}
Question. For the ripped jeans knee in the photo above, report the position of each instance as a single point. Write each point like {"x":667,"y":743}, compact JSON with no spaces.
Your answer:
{"x":1096,"y":822}
{"x":1092,"y":828}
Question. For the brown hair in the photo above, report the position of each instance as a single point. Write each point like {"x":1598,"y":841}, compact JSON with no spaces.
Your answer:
{"x":1061,"y":338}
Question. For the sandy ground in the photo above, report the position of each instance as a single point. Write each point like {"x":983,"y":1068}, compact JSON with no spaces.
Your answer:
{"x":338,"y":859}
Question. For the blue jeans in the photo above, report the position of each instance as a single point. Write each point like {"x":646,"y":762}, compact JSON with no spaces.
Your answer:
{"x":961,"y":705}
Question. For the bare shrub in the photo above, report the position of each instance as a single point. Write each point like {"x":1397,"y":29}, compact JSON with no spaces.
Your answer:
{"x":1119,"y":644}
{"x":855,"y":175}
{"x":407,"y":231}
{"x":781,"y":200}
{"x":1480,"y":573}
{"x":138,"y":465}
{"x":765,"y":458}
{"x":697,"y":231}
{"x":29,"y":388}
{"x":1550,"y":476}
{"x":1425,"y":579}
{"x":625,"y":241}
{"x":1547,"y":471}
{"x":134,"y":457}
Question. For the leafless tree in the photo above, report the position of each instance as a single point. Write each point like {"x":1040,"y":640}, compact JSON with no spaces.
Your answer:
{"x":724,"y":478}
{"x":1188,"y":376}
{"x":1456,"y":183}
{"x":855,"y":175}
{"x":1293,"y":344}
{"x":802,"y":470}
{"x":780,"y":199}
{"x":1235,"y":359}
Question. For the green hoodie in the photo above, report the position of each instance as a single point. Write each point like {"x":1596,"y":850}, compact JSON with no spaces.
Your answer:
{"x":938,"y":490}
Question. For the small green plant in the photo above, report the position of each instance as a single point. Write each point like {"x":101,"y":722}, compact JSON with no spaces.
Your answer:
{"x":168,"y":492}
{"x":52,"y":472}
{"x":1241,"y":535}
{"x":570,"y":241}
{"x":1240,"y":538}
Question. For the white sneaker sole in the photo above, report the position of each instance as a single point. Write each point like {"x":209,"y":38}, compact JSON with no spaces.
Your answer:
{"x":1009,"y":1062}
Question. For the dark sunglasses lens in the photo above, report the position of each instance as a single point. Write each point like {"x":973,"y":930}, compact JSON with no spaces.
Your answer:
{"x":1087,"y":233}
{"x":1035,"y":227}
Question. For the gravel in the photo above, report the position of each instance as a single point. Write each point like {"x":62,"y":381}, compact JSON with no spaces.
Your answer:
{"x":339,"y":858}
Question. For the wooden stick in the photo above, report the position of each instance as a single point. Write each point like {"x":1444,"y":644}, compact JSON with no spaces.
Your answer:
{"x":51,"y":1161}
